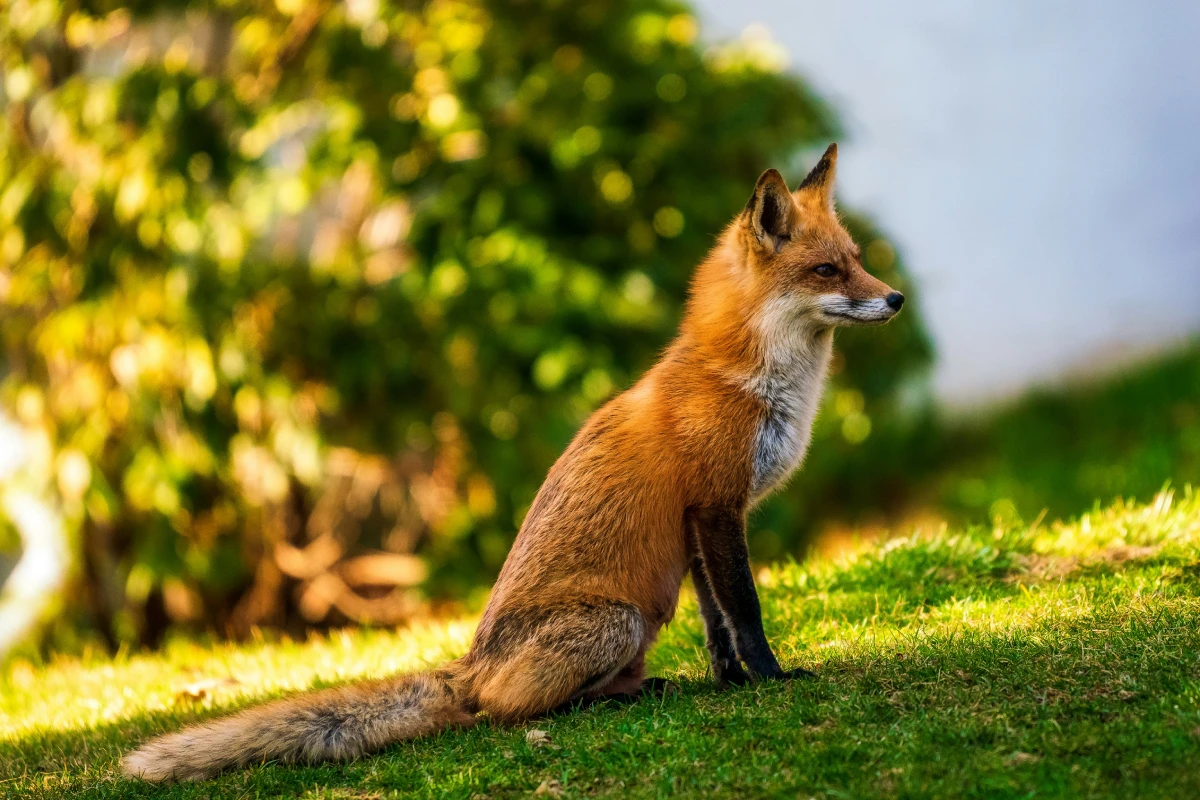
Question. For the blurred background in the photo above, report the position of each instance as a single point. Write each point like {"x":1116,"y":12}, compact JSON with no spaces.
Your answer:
{"x":299,"y":300}
{"x":1036,"y":163}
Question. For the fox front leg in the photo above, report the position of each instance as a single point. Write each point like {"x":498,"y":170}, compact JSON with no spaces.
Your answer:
{"x":724,"y":565}
{"x":726,"y":668}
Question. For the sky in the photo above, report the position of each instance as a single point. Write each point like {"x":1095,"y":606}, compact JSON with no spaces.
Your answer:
{"x":1036,"y":161}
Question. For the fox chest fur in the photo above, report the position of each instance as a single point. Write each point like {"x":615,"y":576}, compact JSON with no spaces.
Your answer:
{"x":788,"y":384}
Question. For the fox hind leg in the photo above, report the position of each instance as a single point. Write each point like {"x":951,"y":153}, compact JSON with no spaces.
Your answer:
{"x":631,"y":684}
{"x":573,"y":652}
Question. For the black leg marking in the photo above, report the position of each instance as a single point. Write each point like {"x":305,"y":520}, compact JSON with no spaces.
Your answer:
{"x":721,"y":540}
{"x":726,"y":668}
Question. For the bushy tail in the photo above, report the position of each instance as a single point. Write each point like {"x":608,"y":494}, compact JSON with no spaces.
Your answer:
{"x":330,"y":725}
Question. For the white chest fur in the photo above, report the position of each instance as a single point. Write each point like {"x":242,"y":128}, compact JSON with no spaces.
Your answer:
{"x":789,"y":384}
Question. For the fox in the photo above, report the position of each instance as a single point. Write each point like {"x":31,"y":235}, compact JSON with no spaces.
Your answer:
{"x":654,"y":487}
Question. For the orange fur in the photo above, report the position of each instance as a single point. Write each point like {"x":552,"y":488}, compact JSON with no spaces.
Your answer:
{"x":597,"y":566}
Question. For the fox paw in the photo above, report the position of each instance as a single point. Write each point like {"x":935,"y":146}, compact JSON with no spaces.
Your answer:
{"x":798,"y":672}
{"x":731,"y":675}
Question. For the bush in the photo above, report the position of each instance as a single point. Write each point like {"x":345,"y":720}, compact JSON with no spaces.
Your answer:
{"x":302,"y":299}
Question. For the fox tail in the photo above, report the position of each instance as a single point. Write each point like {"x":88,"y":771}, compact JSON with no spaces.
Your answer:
{"x":330,"y":725}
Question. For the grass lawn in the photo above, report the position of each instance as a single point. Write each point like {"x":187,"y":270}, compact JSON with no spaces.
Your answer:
{"x":1057,"y":661}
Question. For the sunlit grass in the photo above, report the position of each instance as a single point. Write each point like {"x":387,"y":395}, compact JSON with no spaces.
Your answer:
{"x":1052,"y":661}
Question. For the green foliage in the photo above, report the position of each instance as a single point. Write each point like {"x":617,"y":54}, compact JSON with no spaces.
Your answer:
{"x":1052,"y":661}
{"x":286,"y":282}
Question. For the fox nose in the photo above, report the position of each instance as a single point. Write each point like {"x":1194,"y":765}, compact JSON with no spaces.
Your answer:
{"x":895,"y":300}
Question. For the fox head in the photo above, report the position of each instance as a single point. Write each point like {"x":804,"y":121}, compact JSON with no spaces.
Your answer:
{"x":804,"y":259}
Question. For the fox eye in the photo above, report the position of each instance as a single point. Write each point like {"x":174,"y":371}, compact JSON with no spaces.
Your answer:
{"x":825,"y":270}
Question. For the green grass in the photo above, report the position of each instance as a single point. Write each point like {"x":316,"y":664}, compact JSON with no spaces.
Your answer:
{"x":1058,"y":661}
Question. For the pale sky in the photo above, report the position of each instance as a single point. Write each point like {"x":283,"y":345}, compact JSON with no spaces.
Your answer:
{"x":1037,"y":162}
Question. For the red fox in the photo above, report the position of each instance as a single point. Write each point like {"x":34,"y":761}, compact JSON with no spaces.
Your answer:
{"x":655,"y":485}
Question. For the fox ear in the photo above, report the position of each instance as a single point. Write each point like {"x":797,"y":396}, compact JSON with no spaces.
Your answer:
{"x":772,"y":210}
{"x":819,"y":182}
